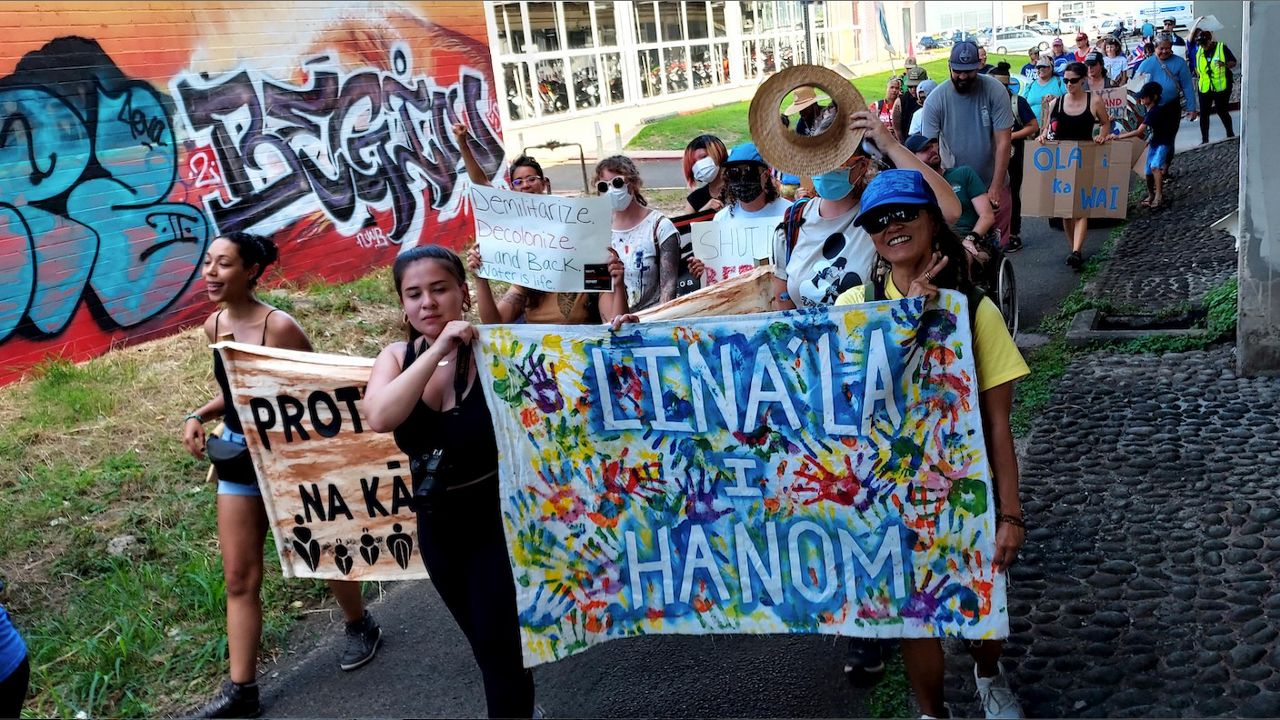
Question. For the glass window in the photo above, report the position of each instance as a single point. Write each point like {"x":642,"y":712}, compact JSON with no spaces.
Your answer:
{"x":767,"y":15}
{"x":606,"y":25}
{"x":819,"y":15}
{"x":646,"y":23}
{"x":749,"y":60}
{"x":767,"y":59}
{"x":612,"y":64}
{"x":519,"y":90}
{"x":677,"y":69}
{"x":721,"y":60}
{"x":672,"y":20}
{"x":542,"y":25}
{"x":586,"y":82}
{"x":717,"y":18}
{"x":577,"y":25}
{"x":703,"y":66}
{"x":749,"y":18}
{"x":650,"y":73}
{"x":552,"y":94}
{"x":510,"y":28}
{"x":696,"y":14}
{"x":786,"y":57}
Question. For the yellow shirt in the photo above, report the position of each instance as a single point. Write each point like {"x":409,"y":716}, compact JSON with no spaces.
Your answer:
{"x":997,"y":356}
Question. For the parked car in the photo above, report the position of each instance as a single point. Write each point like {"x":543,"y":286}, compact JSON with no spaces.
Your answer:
{"x":928,"y":42}
{"x":1045,"y":27}
{"x":1018,"y":41}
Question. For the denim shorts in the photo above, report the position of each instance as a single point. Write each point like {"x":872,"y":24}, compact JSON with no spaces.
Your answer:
{"x":1158,"y":157}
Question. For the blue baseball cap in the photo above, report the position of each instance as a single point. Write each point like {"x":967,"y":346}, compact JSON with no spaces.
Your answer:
{"x":895,"y":187}
{"x":746,"y":152}
{"x":964,"y":56}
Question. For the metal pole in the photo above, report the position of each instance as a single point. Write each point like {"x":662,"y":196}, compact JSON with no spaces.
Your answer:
{"x":808,"y":34}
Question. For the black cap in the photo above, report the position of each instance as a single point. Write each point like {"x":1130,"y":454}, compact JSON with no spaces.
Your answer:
{"x":1093,"y":57}
{"x":918,"y":142}
{"x":964,"y":56}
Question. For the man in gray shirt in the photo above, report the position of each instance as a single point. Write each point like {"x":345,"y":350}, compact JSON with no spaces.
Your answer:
{"x":972,"y":118}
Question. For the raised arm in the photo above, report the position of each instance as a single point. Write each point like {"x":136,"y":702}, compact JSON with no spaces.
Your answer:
{"x":474,"y":171}
{"x":905,"y":159}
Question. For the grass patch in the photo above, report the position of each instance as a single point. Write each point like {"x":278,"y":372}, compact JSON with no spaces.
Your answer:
{"x":729,"y":122}
{"x":93,"y":453}
{"x":888,"y":699}
{"x":1221,"y":307}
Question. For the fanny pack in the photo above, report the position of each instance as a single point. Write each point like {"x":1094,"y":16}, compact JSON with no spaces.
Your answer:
{"x":230,"y":455}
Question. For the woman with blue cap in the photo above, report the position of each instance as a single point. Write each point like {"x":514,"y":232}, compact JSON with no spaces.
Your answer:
{"x":916,"y":255}
{"x":818,"y":251}
{"x":750,"y":190}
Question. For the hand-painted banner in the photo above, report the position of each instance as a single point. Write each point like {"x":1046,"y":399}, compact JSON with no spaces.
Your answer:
{"x":732,"y":247}
{"x":337,"y":493}
{"x":543,"y":242}
{"x":813,"y":471}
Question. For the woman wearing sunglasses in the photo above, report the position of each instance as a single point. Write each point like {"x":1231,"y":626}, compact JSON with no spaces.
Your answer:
{"x":646,"y":242}
{"x":535,"y":306}
{"x":1074,"y":117}
{"x":818,"y":252}
{"x":916,"y":255}
{"x":750,"y":193}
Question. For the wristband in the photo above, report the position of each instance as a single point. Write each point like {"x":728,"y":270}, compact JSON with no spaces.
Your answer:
{"x":1013,"y":520}
{"x":193,"y":416}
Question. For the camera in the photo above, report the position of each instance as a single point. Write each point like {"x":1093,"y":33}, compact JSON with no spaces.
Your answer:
{"x":428,"y":482}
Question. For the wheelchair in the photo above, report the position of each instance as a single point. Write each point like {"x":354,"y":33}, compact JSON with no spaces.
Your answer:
{"x":997,"y":280}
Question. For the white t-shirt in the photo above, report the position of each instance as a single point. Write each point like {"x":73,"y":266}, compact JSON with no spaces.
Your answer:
{"x":639,"y":248}
{"x":776,"y":208}
{"x":831,"y":255}
{"x":1115,"y":66}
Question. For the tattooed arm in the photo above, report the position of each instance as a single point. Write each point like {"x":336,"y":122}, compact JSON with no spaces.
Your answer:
{"x":669,"y":266}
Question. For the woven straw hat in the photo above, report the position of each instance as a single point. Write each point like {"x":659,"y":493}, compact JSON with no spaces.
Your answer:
{"x":796,"y":154}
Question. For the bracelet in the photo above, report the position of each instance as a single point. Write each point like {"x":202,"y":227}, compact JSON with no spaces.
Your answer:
{"x":193,"y":416}
{"x":1013,"y":520}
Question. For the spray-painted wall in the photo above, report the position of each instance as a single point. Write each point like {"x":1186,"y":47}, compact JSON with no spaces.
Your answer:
{"x":132,"y":134}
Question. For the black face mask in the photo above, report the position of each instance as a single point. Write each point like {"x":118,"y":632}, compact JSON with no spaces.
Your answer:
{"x":746,"y":190}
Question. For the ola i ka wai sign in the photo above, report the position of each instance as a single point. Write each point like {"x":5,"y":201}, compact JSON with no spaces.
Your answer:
{"x":1076,"y":179}
{"x":135,"y":134}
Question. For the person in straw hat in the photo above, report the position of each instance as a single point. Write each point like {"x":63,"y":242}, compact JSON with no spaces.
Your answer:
{"x":806,"y":105}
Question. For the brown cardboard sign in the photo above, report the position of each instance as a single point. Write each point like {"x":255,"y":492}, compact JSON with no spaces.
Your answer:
{"x":1076,"y":179}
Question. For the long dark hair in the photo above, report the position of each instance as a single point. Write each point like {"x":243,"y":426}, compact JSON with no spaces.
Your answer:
{"x":955,"y":276}
{"x":770,"y":189}
{"x":443,"y":255}
{"x":254,"y":250}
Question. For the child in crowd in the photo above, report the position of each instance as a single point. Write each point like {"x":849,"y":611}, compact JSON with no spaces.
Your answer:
{"x":1162,"y":122}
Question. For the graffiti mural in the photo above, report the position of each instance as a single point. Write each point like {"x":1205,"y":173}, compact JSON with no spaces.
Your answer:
{"x":341,"y":144}
{"x":87,"y":162}
{"x":126,"y":148}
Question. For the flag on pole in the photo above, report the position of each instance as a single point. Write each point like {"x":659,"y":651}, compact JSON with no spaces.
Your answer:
{"x":884,"y":27}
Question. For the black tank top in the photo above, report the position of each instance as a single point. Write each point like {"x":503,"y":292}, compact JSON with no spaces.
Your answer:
{"x":465,"y":432}
{"x":229,"y":416}
{"x":1073,"y":127}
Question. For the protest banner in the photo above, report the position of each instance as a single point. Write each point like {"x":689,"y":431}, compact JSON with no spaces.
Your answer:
{"x":337,"y":494}
{"x":1119,"y":108}
{"x":1076,"y":179}
{"x":732,"y":247}
{"x":543,"y":242}
{"x":818,"y":471}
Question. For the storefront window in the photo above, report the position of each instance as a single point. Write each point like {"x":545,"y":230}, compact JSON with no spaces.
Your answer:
{"x":750,"y":65}
{"x":650,"y":73}
{"x":612,"y":85}
{"x":552,"y":93}
{"x":542,"y":26}
{"x":646,"y":23}
{"x":696,"y":14}
{"x":577,"y":25}
{"x":703,"y":66}
{"x":672,"y":21}
{"x":519,"y":90}
{"x":717,"y":19}
{"x":606,"y":27}
{"x":510,"y":27}
{"x":586,"y":81}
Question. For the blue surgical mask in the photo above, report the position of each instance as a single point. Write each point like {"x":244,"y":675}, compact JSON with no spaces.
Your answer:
{"x":833,"y":185}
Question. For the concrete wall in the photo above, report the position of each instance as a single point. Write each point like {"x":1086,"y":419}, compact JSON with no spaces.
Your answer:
{"x":136,"y":132}
{"x":1231,"y":14}
{"x":1259,"y":232}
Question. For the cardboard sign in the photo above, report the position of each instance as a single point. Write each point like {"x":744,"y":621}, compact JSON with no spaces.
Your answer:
{"x":337,"y":494}
{"x":543,"y":242}
{"x":732,"y":247}
{"x":1076,"y":179}
{"x":819,"y":471}
{"x":1119,"y":108}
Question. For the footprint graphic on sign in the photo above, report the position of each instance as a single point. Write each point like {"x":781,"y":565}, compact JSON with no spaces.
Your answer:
{"x":305,"y":545}
{"x":369,"y":548}
{"x":401,"y":546}
{"x":342,"y":558}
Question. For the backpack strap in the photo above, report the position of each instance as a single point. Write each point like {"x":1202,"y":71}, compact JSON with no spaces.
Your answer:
{"x":792,"y":219}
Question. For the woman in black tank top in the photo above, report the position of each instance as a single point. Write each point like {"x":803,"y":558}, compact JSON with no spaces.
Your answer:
{"x":1073,"y":117}
{"x":232,"y":266}
{"x":425,"y":391}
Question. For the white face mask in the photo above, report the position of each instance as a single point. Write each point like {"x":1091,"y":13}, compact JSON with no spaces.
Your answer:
{"x":705,"y":170}
{"x":619,"y":198}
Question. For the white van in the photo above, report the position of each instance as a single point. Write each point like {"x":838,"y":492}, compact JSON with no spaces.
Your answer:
{"x":1182,"y":13}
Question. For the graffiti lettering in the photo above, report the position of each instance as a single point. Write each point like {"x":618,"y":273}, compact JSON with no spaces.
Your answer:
{"x":87,"y":164}
{"x":370,"y":139}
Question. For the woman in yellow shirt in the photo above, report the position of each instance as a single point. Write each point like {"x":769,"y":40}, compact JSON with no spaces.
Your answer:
{"x":916,"y":254}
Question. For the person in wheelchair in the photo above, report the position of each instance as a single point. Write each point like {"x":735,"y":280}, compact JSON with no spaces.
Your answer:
{"x":977,"y":217}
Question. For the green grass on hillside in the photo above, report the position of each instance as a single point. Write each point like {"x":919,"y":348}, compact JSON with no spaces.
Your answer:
{"x":729,"y":122}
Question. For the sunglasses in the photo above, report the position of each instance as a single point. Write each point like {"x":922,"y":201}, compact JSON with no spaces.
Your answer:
{"x":526,"y":180}
{"x":901,"y":214}
{"x":739,"y":173}
{"x":618,"y":183}
{"x":1070,"y":81}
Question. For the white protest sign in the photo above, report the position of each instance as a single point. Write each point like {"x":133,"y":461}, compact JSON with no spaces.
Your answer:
{"x":543,"y":242}
{"x":731,"y":247}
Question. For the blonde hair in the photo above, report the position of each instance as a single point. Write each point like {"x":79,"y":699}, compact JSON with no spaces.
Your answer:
{"x":624,"y":166}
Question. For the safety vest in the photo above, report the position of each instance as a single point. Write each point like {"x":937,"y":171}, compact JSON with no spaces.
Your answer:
{"x":1213,"y":77}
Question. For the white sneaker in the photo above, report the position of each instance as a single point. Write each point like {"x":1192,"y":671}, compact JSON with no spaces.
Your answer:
{"x":998,"y":700}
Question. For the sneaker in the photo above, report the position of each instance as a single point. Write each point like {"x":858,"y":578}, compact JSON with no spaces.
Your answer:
{"x":945,"y":707}
{"x":1015,"y":244}
{"x":1075,"y":260}
{"x":363,"y":638}
{"x":997,"y":699}
{"x":233,"y":701}
{"x":864,"y":661}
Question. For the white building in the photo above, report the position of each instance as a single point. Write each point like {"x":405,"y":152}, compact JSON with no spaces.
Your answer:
{"x":568,"y":70}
